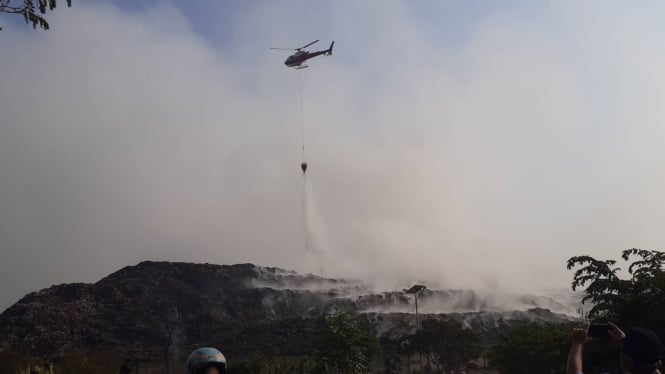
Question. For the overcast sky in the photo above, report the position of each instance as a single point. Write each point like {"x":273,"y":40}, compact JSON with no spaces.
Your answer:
{"x":464,"y":144}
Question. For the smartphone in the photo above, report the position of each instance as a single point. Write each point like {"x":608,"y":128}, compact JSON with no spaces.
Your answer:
{"x":599,"y":330}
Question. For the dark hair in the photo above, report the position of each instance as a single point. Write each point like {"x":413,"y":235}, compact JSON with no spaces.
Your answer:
{"x":643,"y":346}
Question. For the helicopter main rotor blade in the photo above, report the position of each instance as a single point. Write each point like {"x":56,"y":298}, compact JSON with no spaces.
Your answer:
{"x":307,"y":45}
{"x":285,"y":49}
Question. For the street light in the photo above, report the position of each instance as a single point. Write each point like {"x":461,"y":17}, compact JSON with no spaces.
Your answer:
{"x":416,"y":290}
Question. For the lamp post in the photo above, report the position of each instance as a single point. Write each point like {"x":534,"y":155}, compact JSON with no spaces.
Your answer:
{"x":416,"y":290}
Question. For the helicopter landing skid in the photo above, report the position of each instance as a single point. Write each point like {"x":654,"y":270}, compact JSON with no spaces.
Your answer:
{"x":301,"y":67}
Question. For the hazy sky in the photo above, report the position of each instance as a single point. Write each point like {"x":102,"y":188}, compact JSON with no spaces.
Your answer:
{"x":462,"y":144}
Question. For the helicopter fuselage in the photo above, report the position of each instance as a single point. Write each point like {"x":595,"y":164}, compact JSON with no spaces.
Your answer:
{"x":297,"y":59}
{"x":300,"y":57}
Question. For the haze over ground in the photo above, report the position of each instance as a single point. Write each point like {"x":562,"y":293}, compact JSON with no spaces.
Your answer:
{"x":463,"y":145}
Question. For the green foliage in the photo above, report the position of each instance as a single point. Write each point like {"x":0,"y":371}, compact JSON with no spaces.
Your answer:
{"x":344,"y":343}
{"x":446,"y":344}
{"x":533,"y":348}
{"x":393,"y":351}
{"x":239,"y":368}
{"x":13,"y":362}
{"x":92,"y":363}
{"x":261,"y":363}
{"x":31,"y":10}
{"x":639,"y":300}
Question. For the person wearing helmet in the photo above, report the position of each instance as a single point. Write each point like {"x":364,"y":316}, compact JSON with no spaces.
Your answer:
{"x":206,"y":361}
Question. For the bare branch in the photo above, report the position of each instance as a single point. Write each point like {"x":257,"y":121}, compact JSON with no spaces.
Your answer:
{"x":29,"y":11}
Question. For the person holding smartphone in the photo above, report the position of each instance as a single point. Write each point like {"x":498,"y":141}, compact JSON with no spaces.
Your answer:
{"x":641,"y":348}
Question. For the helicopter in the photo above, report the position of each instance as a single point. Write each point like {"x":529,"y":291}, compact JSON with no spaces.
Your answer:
{"x":297,"y":59}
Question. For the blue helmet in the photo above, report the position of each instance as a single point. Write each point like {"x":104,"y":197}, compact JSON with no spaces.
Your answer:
{"x":203,"y":358}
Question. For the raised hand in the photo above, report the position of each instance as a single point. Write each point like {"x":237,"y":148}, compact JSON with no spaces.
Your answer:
{"x":580,"y":336}
{"x":616,"y":333}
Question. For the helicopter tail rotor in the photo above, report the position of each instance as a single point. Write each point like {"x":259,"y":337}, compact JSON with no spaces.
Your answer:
{"x":329,"y":51}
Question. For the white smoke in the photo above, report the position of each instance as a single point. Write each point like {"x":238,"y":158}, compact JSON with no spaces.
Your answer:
{"x":468,"y":155}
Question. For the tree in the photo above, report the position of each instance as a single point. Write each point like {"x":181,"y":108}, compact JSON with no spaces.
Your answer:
{"x":261,"y":363}
{"x":272,"y":363}
{"x":638,"y":300}
{"x":392,"y":351}
{"x":344,"y":343}
{"x":31,"y":12}
{"x":446,"y":345}
{"x":532,"y":348}
{"x":92,"y":363}
{"x":13,"y":361}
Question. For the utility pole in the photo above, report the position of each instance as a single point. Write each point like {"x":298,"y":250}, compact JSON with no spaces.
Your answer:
{"x":415,"y":291}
